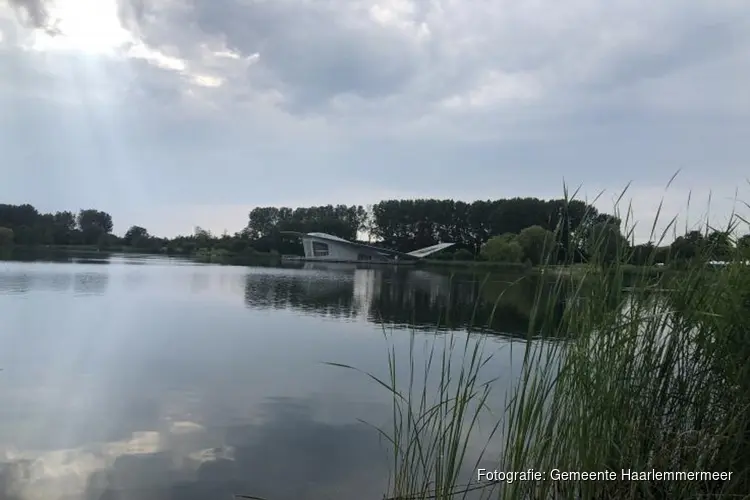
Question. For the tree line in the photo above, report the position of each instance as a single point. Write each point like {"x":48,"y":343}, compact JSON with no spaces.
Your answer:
{"x":25,"y":225}
{"x":407,"y":225}
{"x":511,"y":230}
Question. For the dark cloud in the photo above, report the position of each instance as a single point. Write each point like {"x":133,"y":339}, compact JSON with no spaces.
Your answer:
{"x":131,"y":12}
{"x":35,"y":10}
{"x":686,"y":47}
{"x":313,"y":51}
{"x":35,"y":14}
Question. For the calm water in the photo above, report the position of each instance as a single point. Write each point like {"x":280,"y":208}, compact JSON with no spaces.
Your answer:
{"x":147,"y":378}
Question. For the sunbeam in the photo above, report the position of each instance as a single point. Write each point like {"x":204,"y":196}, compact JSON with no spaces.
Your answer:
{"x":91,"y":26}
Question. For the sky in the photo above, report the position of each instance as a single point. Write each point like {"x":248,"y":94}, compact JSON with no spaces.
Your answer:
{"x":172,"y":114}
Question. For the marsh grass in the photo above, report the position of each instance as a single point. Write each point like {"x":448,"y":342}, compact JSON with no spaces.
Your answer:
{"x":641,"y":371}
{"x":434,"y":414}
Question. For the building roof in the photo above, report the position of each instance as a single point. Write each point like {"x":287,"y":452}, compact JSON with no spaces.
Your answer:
{"x":327,"y":236}
{"x":416,"y":254}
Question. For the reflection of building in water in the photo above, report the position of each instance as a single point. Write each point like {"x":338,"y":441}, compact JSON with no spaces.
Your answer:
{"x":425,"y":287}
{"x":436,"y":286}
{"x":366,"y":288}
{"x":400,"y":297}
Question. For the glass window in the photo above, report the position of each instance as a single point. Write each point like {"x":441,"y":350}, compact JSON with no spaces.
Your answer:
{"x":320,"y":249}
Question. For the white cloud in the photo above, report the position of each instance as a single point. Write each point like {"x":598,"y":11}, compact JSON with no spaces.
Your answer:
{"x":205,"y":101}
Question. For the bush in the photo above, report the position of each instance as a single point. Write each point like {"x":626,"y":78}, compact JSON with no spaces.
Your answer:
{"x":502,"y":249}
{"x":6,"y":236}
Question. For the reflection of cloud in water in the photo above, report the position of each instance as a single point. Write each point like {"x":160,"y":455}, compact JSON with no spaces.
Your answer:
{"x":287,"y":455}
{"x":156,"y":394}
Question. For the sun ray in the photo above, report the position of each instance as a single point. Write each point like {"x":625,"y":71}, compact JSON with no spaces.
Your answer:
{"x":91,"y":26}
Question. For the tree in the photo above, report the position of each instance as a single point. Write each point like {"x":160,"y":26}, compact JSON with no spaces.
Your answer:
{"x":6,"y":236}
{"x":605,"y":243}
{"x":643,"y":254}
{"x":137,"y":237}
{"x":94,"y":224}
{"x":743,"y":245}
{"x":64,"y":228}
{"x":719,"y":246}
{"x":23,"y":220}
{"x":368,"y":224}
{"x":408,"y":224}
{"x":689,"y":246}
{"x":536,"y":242}
{"x":502,"y":249}
{"x":262,"y":221}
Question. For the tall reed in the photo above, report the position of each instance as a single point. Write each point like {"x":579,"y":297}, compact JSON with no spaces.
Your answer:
{"x":650,"y":376}
{"x":657,"y":378}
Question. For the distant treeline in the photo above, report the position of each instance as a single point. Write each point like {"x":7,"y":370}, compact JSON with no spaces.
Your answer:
{"x":513,"y":230}
{"x":406,"y":225}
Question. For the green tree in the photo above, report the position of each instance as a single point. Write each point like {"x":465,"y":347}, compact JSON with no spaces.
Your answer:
{"x":643,"y":254}
{"x":502,"y":249}
{"x":137,"y":237}
{"x":94,"y":224}
{"x":23,"y":220}
{"x":719,"y":246}
{"x":203,"y":237}
{"x":689,"y":246}
{"x":743,"y":245}
{"x":408,"y":224}
{"x":368,"y":224}
{"x":6,"y":236}
{"x":536,"y":242}
{"x":605,"y":243}
{"x":262,"y":221}
{"x":64,"y":230}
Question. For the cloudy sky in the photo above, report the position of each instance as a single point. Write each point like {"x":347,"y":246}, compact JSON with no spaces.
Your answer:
{"x":176,"y":113}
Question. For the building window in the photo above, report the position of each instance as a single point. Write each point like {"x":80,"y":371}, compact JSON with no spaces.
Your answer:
{"x":319,"y":249}
{"x":364,"y":257}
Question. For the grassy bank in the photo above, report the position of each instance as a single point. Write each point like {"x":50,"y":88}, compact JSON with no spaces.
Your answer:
{"x":515,"y":267}
{"x":655,"y":376}
{"x":519,"y":268}
{"x":204,"y":255}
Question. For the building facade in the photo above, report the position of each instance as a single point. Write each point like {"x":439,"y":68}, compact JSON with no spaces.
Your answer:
{"x":328,"y":248}
{"x":324,"y":247}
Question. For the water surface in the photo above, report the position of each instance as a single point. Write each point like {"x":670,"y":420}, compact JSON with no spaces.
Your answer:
{"x":147,"y":378}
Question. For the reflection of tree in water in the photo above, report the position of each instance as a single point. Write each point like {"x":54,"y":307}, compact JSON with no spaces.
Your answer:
{"x":457,"y":302}
{"x":83,"y":283}
{"x":42,"y":254}
{"x":403,"y":297}
{"x":326,"y":294}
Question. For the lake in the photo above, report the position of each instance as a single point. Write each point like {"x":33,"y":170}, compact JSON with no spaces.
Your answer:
{"x":134,"y":377}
